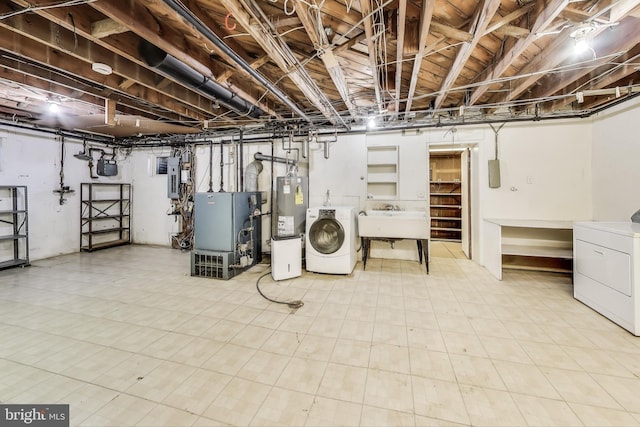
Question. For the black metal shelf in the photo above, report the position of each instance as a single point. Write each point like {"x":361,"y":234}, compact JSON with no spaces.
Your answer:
{"x":104,"y":202}
{"x":16,"y":221}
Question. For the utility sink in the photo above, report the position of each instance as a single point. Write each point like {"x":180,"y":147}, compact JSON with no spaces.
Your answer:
{"x":394,"y":224}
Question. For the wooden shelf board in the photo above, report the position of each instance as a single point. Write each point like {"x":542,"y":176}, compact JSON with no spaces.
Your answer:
{"x":447,"y":218}
{"x":445,"y":194}
{"x":446,"y":229}
{"x":538,"y":251}
{"x":446,"y":206}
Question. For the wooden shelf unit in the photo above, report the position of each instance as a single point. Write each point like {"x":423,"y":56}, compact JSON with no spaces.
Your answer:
{"x":105,"y":215}
{"x":14,"y":227}
{"x":445,"y":196}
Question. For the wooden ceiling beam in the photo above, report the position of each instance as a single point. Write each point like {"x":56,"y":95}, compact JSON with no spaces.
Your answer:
{"x":315,"y":31}
{"x":402,"y":19}
{"x":450,"y":32}
{"x":349,"y":43}
{"x":366,"y":11}
{"x":508,"y":18}
{"x":479,"y":23}
{"x":545,"y":16}
{"x":426,"y":16}
{"x":622,"y":39}
{"x":263,"y":33}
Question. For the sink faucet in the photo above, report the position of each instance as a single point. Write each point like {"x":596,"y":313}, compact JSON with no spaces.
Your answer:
{"x":391,"y":207}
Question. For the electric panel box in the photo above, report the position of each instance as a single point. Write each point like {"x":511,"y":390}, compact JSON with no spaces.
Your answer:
{"x":107,"y":167}
{"x":173,"y":177}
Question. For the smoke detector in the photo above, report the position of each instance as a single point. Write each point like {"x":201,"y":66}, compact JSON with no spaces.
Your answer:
{"x":101,"y":68}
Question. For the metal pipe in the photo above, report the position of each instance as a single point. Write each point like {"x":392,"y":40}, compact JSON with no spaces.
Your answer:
{"x":221,"y":166}
{"x":173,"y":67}
{"x":260,"y":156}
{"x":211,"y":167}
{"x":240,"y":162}
{"x":186,"y":14}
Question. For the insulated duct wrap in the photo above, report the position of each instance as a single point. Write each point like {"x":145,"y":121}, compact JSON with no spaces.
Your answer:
{"x":162,"y":61}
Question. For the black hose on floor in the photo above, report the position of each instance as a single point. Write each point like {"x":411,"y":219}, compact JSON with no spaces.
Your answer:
{"x":292,"y":304}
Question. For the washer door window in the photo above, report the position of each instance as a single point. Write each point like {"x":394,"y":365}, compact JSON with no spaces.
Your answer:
{"x":326,"y":236}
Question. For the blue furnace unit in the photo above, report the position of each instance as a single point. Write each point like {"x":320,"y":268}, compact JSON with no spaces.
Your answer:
{"x":227,"y":233}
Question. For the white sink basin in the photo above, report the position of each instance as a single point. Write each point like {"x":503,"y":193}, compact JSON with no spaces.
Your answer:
{"x":394,"y":224}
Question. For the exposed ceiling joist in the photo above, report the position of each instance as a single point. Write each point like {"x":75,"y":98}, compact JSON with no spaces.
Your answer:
{"x":426,"y":16}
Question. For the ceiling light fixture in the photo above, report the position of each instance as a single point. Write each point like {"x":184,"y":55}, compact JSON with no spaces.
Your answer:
{"x":371,"y":123}
{"x":580,"y":34}
{"x":101,"y":68}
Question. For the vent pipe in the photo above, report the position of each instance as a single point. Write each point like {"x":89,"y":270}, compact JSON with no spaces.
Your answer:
{"x":162,"y":61}
{"x":188,"y":16}
{"x":260,"y":156}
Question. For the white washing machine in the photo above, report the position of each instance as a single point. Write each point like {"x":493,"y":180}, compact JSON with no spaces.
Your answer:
{"x":331,"y":239}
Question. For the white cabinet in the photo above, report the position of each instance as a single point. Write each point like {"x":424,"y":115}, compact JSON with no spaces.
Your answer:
{"x":607,"y":270}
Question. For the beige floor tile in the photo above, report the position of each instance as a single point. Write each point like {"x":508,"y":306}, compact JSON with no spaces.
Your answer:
{"x":476,"y":371}
{"x":463,"y":343}
{"x":302,"y":375}
{"x":196,"y":352}
{"x":525,"y":379}
{"x":223,"y":331}
{"x":580,"y":387}
{"x":389,"y":390}
{"x":282,"y":342}
{"x":431,"y":364}
{"x":490,"y":328}
{"x":161,"y":381}
{"x":425,"y":338}
{"x":434,"y":422}
{"x":238,"y":402}
{"x":315,"y":347}
{"x":123,"y":410}
{"x":356,"y":330}
{"x":252,"y":336}
{"x":283,"y":408}
{"x":197,"y":325}
{"x":488,"y":407}
{"x":343,"y":382}
{"x":380,"y":417}
{"x":296,"y":323}
{"x":385,"y":333}
{"x":269,"y":319}
{"x":549,"y":355}
{"x":454,"y":323}
{"x":264,"y":367}
{"x":196,"y":393}
{"x":164,"y":416}
{"x":597,"y":416}
{"x":598,"y":361}
{"x":128,"y":372}
{"x":229,"y":359}
{"x":505,"y":349}
{"x":332,"y":412}
{"x":439,"y":399}
{"x":421,"y":319}
{"x":539,"y":411}
{"x":99,"y":363}
{"x":388,"y":357}
{"x":623,"y":390}
{"x":364,"y":313}
{"x":325,"y":327}
{"x":349,"y":352}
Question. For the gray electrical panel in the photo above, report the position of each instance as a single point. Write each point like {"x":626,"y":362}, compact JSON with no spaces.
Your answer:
{"x":107,"y":167}
{"x":173,"y":177}
{"x":292,"y":201}
{"x":227,"y":223}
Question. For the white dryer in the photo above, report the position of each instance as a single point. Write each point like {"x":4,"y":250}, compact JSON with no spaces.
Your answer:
{"x":331,"y":239}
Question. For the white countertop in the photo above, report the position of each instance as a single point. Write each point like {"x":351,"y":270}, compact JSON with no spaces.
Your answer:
{"x":531,"y":223}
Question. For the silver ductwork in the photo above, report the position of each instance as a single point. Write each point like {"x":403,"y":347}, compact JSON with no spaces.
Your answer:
{"x":171,"y":66}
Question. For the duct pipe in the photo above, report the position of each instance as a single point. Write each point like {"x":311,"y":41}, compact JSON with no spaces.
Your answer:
{"x":260,"y":156}
{"x":187,"y":15}
{"x":241,"y":161}
{"x":221,"y":166}
{"x":251,"y":175}
{"x":159,"y":59}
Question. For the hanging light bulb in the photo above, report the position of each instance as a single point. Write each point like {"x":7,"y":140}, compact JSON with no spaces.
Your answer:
{"x":371,"y":123}
{"x":581,"y":45}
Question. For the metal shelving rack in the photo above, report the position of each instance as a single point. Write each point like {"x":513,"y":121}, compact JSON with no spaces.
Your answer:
{"x":105,"y":219}
{"x":14,"y":227}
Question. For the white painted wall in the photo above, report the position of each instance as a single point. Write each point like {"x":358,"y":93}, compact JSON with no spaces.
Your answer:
{"x":33,"y":159}
{"x":616,"y":163}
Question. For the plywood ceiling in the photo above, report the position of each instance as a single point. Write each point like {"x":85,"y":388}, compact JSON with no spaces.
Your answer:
{"x":206,"y":65}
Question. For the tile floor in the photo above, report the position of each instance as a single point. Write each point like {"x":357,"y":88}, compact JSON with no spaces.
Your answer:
{"x":127,"y":337}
